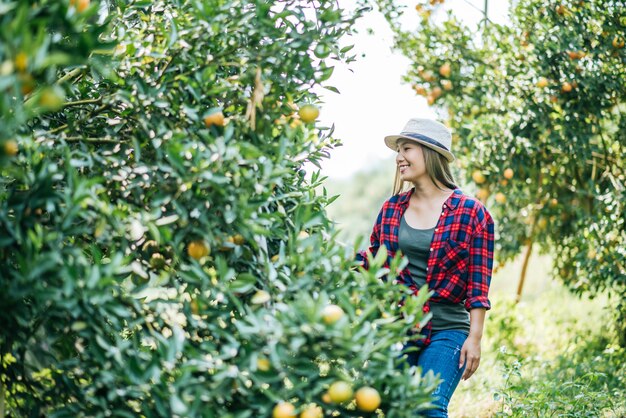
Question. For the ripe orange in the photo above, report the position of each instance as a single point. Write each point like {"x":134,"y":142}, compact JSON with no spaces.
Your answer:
{"x":566,"y":87}
{"x":447,"y":85}
{"x":312,"y":411}
{"x":478,"y":177}
{"x":428,"y":76}
{"x":212,"y":119}
{"x":11,"y":148}
{"x":430,"y":99}
{"x":340,"y":392}
{"x":436,"y":92}
{"x":284,"y":410}
{"x":508,"y":173}
{"x":308,"y":113}
{"x":332,"y":314}
{"x":367,"y":399}
{"x":326,"y":398}
{"x":482,"y":194}
{"x":542,"y":82}
{"x":198,"y":249}
{"x":618,"y":42}
{"x":553,"y":202}
{"x":500,"y":197}
{"x":445,"y":70}
{"x":82,"y":5}
{"x":421,"y":90}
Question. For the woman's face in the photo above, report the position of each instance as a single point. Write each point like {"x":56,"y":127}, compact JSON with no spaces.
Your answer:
{"x":410,"y":161}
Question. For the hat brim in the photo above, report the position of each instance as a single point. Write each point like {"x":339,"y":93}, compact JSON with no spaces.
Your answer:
{"x":392,"y":142}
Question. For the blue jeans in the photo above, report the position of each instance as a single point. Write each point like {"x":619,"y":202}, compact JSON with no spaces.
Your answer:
{"x":442,"y":357}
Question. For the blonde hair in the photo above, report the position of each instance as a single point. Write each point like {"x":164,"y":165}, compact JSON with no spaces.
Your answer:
{"x":437,"y":167}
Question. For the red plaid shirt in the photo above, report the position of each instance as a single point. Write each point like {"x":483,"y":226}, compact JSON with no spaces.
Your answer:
{"x":461,"y":252}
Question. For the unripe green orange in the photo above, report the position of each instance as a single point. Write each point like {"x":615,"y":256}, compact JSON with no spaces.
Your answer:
{"x":308,"y":113}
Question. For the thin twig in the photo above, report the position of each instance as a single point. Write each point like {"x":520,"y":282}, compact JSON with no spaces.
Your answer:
{"x":82,"y":102}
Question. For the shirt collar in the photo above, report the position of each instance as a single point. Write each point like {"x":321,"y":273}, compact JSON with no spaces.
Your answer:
{"x":451,"y":203}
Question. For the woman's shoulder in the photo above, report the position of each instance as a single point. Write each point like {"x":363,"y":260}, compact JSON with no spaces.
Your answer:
{"x":473,"y":205}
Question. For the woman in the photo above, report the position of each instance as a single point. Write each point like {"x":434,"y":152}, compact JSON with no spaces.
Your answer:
{"x":448,"y":238}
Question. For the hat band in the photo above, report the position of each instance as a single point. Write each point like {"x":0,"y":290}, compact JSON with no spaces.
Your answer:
{"x":424,"y":138}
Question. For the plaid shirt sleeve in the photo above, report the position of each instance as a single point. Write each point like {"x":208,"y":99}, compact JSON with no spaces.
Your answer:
{"x":480,"y":261}
{"x":361,"y":256}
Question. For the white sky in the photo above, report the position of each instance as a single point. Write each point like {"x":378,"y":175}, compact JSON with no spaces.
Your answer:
{"x":373,"y":101}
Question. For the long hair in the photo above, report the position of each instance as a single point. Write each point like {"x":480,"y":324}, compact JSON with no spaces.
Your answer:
{"x":437,"y":167}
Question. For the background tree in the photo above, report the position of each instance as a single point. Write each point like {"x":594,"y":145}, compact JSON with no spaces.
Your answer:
{"x":163,"y":252}
{"x":537,"y":107}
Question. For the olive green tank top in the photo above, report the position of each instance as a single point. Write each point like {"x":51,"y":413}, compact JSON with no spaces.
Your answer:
{"x":415,"y":244}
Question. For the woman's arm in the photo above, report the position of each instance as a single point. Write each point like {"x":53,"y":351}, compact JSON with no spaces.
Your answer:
{"x":471,"y":348}
{"x":361,"y":256}
{"x":477,"y":301}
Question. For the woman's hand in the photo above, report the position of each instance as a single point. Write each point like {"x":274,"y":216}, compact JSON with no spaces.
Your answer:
{"x":470,"y":353}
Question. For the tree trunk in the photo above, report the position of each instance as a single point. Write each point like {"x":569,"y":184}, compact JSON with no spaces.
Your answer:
{"x":522,"y":277}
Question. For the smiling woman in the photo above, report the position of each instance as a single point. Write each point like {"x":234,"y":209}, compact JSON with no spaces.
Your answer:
{"x":448,"y":239}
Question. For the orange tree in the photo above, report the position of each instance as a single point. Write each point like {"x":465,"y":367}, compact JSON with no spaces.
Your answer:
{"x":537,"y":107}
{"x":163,"y":252}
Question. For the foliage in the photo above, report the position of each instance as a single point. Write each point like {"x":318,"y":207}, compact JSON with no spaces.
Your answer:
{"x":553,"y":361}
{"x":163,"y":252}
{"x":538,"y":112}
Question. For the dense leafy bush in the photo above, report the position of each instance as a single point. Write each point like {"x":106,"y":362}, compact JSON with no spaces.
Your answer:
{"x":163,"y":251}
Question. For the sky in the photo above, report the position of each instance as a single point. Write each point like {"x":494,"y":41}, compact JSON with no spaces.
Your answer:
{"x":373,"y":100}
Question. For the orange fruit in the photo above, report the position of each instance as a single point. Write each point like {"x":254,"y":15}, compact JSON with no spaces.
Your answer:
{"x":214,"y":119}
{"x":420,"y":90}
{"x":428,"y":76}
{"x":11,"y":148}
{"x":500,"y":197}
{"x":560,"y":9}
{"x":332,"y":314}
{"x":542,"y":223}
{"x":447,"y":85}
{"x":198,"y":249}
{"x":554,"y":202}
{"x":566,"y":87}
{"x":618,"y":43}
{"x":367,"y":399}
{"x":21,"y":62}
{"x":82,"y":5}
{"x":284,"y":410}
{"x":482,"y":194}
{"x":51,"y":99}
{"x":478,"y":177}
{"x":436,"y":92}
{"x":326,"y":398}
{"x":308,"y":113}
{"x":340,"y":392}
{"x":312,"y":411}
{"x":508,"y":173}
{"x":542,"y":82}
{"x":260,"y":297}
{"x":445,"y":70}
{"x":263,"y":364}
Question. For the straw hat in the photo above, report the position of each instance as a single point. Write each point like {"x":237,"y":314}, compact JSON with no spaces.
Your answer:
{"x":427,"y":132}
